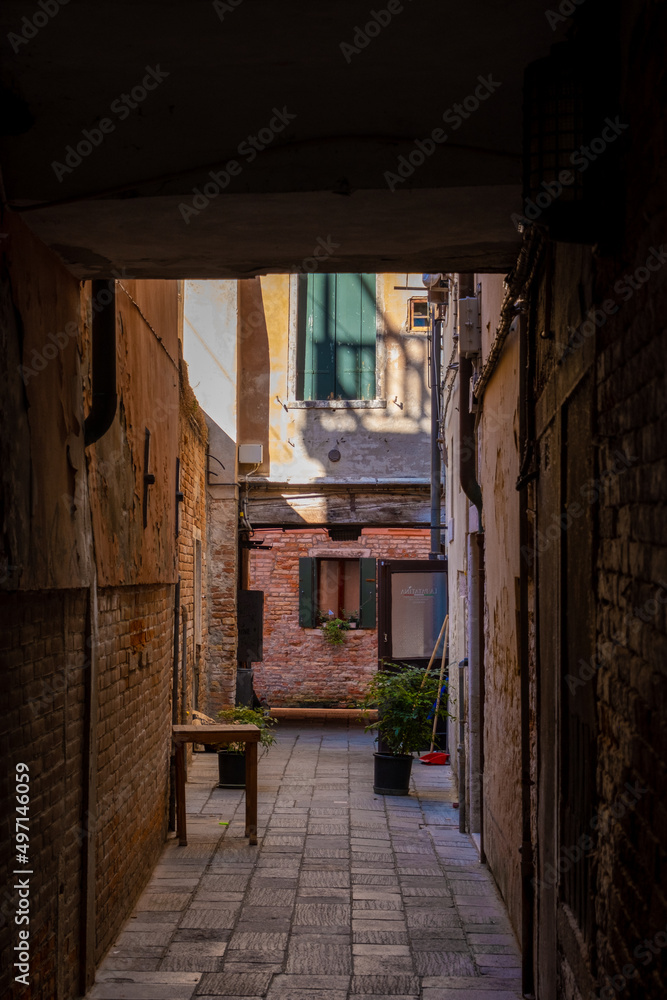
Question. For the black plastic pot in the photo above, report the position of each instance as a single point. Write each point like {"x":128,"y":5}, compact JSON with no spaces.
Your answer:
{"x":392,"y":773}
{"x":231,"y":769}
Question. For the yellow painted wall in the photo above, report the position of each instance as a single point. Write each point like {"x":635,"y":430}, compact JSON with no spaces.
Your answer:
{"x":376,"y":444}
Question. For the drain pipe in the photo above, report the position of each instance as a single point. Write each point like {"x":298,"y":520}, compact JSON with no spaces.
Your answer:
{"x":461,"y":749}
{"x":174,"y":704}
{"x":473,"y":491}
{"x":103,"y":409}
{"x":184,"y":667}
{"x":481,"y":571}
{"x":467,"y":449}
{"x":174,"y":681}
{"x":473,"y":707}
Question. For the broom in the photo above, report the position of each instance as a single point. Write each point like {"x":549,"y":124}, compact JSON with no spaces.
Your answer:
{"x":445,"y":625}
{"x":438,"y":757}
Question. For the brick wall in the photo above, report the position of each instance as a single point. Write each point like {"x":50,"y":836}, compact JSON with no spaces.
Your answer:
{"x":222,"y":585}
{"x":134,"y":727}
{"x":632,"y":555}
{"x":299,"y":667}
{"x":193,"y":436}
{"x":623,"y":350}
{"x":42,"y":643}
{"x":45,"y":660}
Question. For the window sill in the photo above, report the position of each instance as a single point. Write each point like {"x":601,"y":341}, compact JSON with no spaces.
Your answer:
{"x":337,"y":404}
{"x":319,"y":630}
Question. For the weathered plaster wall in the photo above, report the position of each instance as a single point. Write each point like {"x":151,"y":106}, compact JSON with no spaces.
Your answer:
{"x":498,"y":438}
{"x":147,"y":386}
{"x":43,"y":465}
{"x":497,"y":465}
{"x":299,"y":667}
{"x":456,"y":514}
{"x":210,"y":327}
{"x":376,"y":444}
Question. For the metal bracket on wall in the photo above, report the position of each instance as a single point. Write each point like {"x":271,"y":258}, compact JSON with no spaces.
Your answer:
{"x":149,"y":478}
{"x":180,"y":495}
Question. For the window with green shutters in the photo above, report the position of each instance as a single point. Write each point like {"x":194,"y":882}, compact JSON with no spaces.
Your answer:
{"x":336,"y":336}
{"x":317,"y":583}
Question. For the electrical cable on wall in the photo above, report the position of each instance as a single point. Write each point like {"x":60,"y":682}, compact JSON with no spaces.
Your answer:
{"x":244,"y":503}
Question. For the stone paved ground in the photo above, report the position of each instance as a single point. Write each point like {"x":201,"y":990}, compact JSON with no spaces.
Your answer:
{"x":348,"y":894}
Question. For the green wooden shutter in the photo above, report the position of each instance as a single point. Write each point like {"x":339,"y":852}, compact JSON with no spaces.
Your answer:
{"x":367,"y":344}
{"x":337,"y":336}
{"x":355,"y":336}
{"x":303,"y":378}
{"x":320,"y":337}
{"x":367,"y":572}
{"x":348,"y":333}
{"x":307,"y":593}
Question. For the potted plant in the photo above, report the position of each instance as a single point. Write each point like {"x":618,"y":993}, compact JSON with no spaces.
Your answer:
{"x":406,"y":701}
{"x":334,"y":629}
{"x":231,"y":759}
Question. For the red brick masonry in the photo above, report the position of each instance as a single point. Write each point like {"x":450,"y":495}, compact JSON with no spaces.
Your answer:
{"x":299,"y":668}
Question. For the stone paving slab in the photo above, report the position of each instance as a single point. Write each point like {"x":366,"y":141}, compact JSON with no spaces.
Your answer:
{"x":347,"y":895}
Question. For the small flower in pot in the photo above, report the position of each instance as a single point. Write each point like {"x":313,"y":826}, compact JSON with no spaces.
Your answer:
{"x":334,"y":629}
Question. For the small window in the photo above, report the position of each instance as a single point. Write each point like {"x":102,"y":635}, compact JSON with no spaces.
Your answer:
{"x":344,"y":587}
{"x":419,"y":319}
{"x":338,"y":588}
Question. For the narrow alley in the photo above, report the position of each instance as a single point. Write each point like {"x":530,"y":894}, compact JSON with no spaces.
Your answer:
{"x":333,"y":355}
{"x":348,"y":893}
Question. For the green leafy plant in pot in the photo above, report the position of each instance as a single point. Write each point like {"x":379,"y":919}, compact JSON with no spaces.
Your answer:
{"x":231,"y":760}
{"x":334,"y":628}
{"x":406,"y":701}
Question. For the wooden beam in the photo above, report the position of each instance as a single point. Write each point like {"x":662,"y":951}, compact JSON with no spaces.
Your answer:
{"x":410,"y":508}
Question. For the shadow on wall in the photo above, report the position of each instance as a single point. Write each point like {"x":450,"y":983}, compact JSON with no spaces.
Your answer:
{"x":378,"y":443}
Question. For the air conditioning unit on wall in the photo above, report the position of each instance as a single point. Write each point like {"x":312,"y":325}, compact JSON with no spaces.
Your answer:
{"x":251,"y":454}
{"x":470,"y":329}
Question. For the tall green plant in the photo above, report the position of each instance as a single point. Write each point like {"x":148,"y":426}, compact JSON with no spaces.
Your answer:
{"x":243,"y":716}
{"x":405,"y":707}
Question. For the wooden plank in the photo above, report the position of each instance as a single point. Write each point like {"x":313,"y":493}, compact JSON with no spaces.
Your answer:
{"x":251,"y":792}
{"x":355,"y":714}
{"x":215,"y":734}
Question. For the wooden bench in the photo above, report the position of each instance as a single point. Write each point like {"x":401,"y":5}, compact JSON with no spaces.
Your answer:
{"x":217,"y":735}
{"x":325,"y":714}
